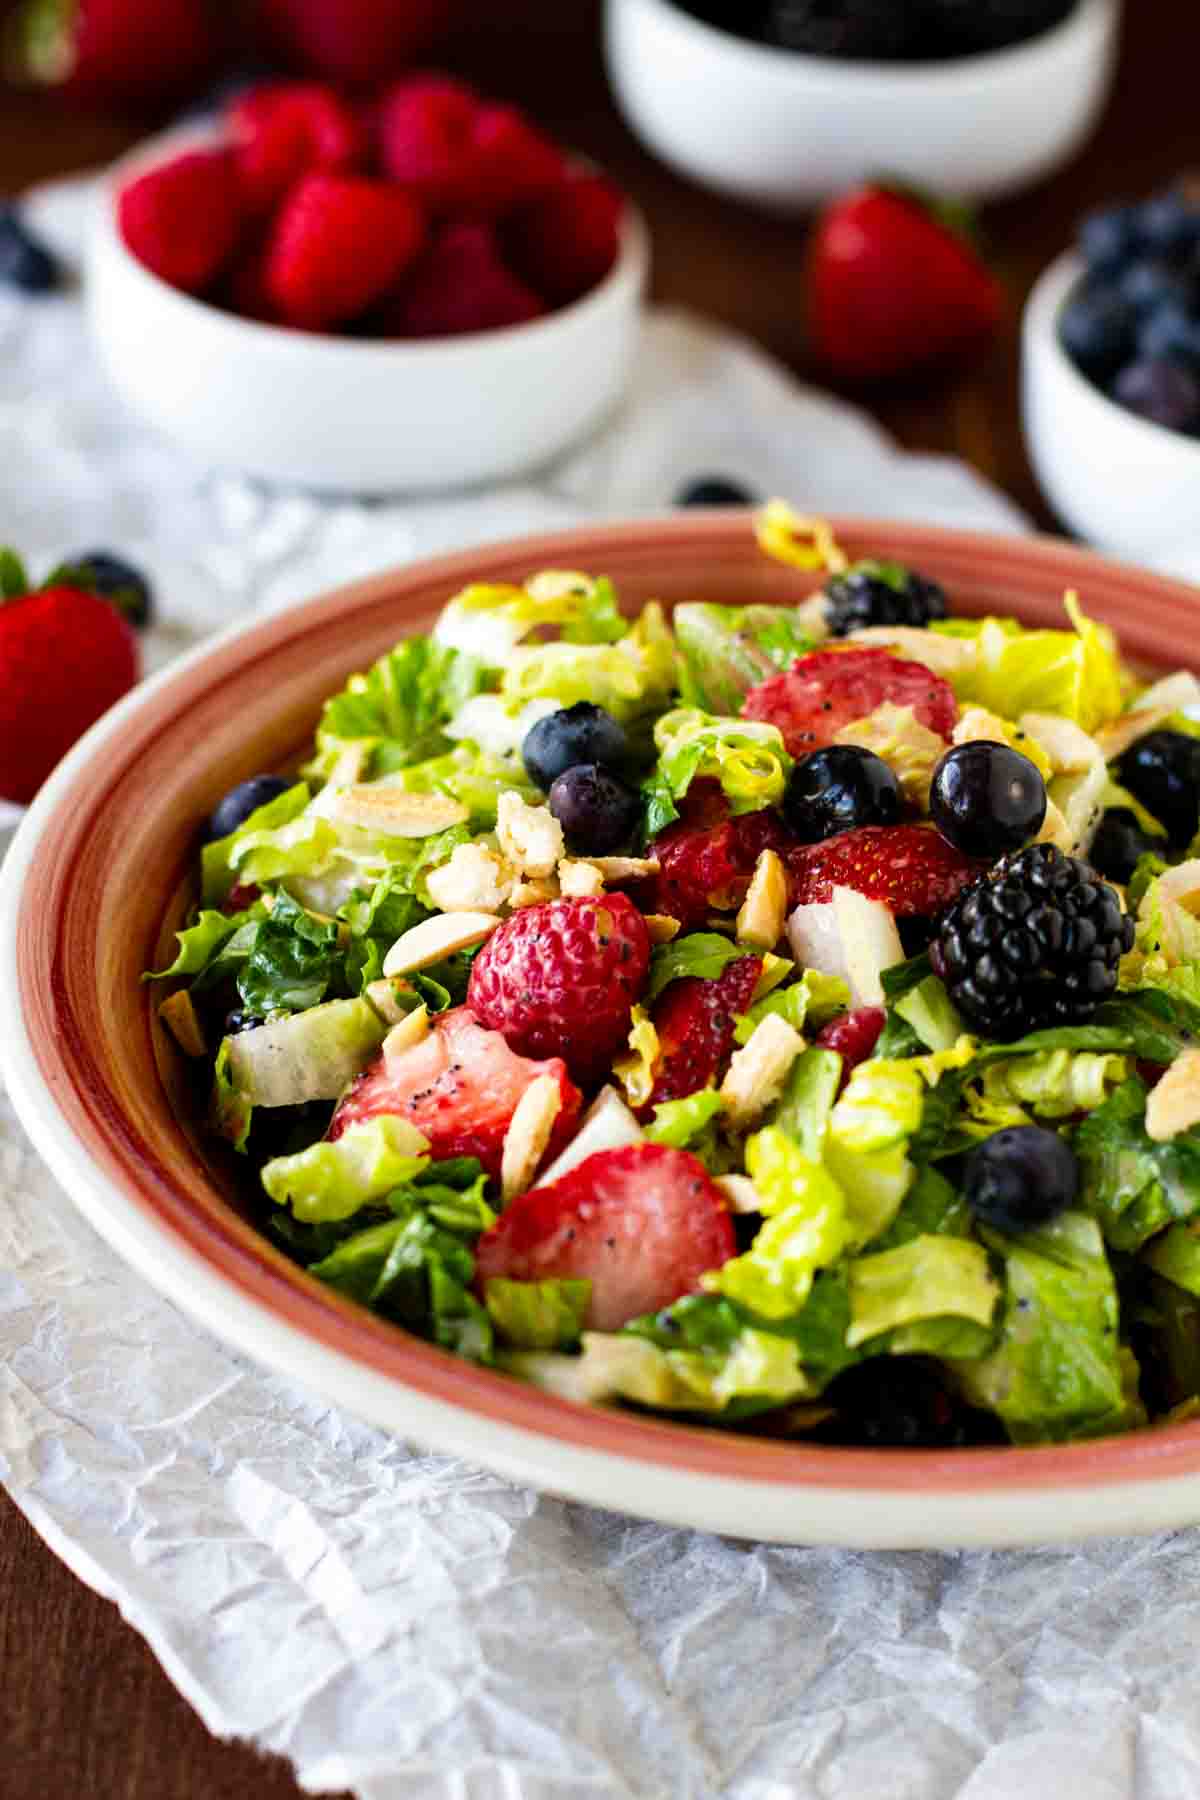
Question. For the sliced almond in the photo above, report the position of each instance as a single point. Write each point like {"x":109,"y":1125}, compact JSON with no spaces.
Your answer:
{"x":756,"y":1073}
{"x":1115,"y":739}
{"x":625,"y":868}
{"x":528,"y":1134}
{"x":763,"y":915}
{"x":1174,"y":1103}
{"x":179,"y":1016}
{"x":435,"y":938}
{"x":660,"y":927}
{"x":579,"y":880}
{"x":533,"y":893}
{"x":381,"y":807}
{"x":385,"y":998}
{"x":411,"y":1029}
{"x":741,"y":1193}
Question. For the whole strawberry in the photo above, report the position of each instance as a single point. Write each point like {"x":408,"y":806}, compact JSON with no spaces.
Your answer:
{"x":66,"y":656}
{"x":121,"y":51}
{"x":282,"y":130}
{"x":338,"y":244}
{"x":357,"y":41}
{"x":894,"y":283}
{"x":182,"y":218}
{"x":459,"y":285}
{"x":561,"y":979}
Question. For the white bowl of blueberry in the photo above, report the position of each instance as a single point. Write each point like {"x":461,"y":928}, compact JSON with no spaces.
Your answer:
{"x":1111,"y":381}
{"x":785,"y":102}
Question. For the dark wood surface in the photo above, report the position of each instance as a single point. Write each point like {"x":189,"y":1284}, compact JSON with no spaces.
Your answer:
{"x":83,"y":1706}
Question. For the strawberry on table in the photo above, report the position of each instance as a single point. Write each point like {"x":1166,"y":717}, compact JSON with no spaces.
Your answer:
{"x":339,"y":243}
{"x":183,"y":218}
{"x":895,"y":283}
{"x":562,"y":978}
{"x":458,"y":154}
{"x":821,"y":693}
{"x":694,"y":1020}
{"x":706,"y":859}
{"x":910,"y":868}
{"x":283,"y":130}
{"x":642,"y":1224}
{"x":66,"y":656}
{"x":460,"y":1086}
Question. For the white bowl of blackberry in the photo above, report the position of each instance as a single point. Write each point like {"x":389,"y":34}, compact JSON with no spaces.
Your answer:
{"x":783,"y":103}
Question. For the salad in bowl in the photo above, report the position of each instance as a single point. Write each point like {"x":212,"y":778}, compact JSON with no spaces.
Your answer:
{"x":780,"y":1017}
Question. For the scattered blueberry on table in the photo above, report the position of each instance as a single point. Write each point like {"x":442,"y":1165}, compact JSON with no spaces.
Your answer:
{"x":25,"y":262}
{"x":713,"y":490}
{"x":118,"y":580}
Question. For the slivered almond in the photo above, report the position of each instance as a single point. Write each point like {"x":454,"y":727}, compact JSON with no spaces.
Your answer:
{"x":624,"y":868}
{"x":763,"y":915}
{"x":579,"y":880}
{"x":435,"y":938}
{"x":529,"y":1132}
{"x":660,"y":927}
{"x":741,"y":1193}
{"x":1174,"y":1103}
{"x":385,"y":998}
{"x":1115,"y":739}
{"x":179,"y":1016}
{"x":756,"y":1073}
{"x":411,"y":1029}
{"x":378,"y":806}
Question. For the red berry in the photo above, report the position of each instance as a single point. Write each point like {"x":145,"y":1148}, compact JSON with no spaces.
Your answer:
{"x":65,"y":657}
{"x":514,"y":163}
{"x":561,"y":979}
{"x":706,"y":859}
{"x":340,"y":242}
{"x":361,"y":42}
{"x":566,"y":242}
{"x":642,"y":1224}
{"x":117,"y":50}
{"x":459,"y":155}
{"x":811,"y":701}
{"x":460,"y":1086}
{"x":282,"y":131}
{"x":459,"y":285}
{"x":183,"y":218}
{"x":694,"y":1019}
{"x":854,"y":1036}
{"x":892,"y":286}
{"x":911,"y":868}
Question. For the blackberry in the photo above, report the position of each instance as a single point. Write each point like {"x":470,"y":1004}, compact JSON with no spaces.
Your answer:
{"x":877,"y":593}
{"x":875,"y":29}
{"x":1034,"y":943}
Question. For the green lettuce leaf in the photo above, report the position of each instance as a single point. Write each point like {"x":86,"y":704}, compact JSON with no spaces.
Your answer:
{"x":474,"y":778}
{"x":678,"y":1123}
{"x":925,"y":1278}
{"x":217,"y":858}
{"x":805,"y":1004}
{"x":746,"y":757}
{"x":206,"y":939}
{"x":805,"y":1107}
{"x":1175,"y":1255}
{"x":537,"y":1315}
{"x":805,"y":1229}
{"x":401,"y":703}
{"x":1076,"y":674}
{"x":724,"y":651}
{"x":293,"y":962}
{"x":1132,"y":1185}
{"x":334,"y":1181}
{"x":489,"y":620}
{"x":1055,"y":1084}
{"x":231,"y":1112}
{"x":929,"y":1011}
{"x":628,"y":678}
{"x":757,"y":1371}
{"x":701,"y":953}
{"x":932,"y":1206}
{"x":417,"y":1274}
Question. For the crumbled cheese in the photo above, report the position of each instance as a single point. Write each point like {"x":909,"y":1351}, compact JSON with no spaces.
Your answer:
{"x":179,"y":1016}
{"x":756,"y":1073}
{"x":530,"y":837}
{"x":528,"y":1134}
{"x":579,"y":880}
{"x":409,"y":1031}
{"x":763,"y":914}
{"x":475,"y":879}
{"x":1174,"y":1103}
{"x":436,"y":938}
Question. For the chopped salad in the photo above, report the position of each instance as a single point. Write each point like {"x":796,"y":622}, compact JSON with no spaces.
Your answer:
{"x":785,"y":1018}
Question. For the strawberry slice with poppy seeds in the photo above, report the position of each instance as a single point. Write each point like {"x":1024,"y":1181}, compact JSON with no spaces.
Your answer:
{"x":460,"y":1086}
{"x":694,"y":1020}
{"x":642,"y":1224}
{"x":829,"y":689}
{"x":706,"y":859}
{"x":910,"y":868}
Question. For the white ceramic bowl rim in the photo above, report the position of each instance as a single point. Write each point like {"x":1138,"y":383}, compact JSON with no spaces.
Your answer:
{"x":1044,"y":309}
{"x":632,"y":260}
{"x":982,"y":65}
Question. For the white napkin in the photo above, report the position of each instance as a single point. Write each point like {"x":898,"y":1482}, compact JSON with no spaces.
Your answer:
{"x":409,"y":1626}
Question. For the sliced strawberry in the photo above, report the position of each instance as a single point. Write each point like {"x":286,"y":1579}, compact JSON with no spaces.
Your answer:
{"x":460,"y":1086}
{"x":706,"y":859}
{"x":694,"y":1020}
{"x":642,"y":1224}
{"x":854,"y":1036}
{"x":811,"y":701}
{"x":911,"y":868}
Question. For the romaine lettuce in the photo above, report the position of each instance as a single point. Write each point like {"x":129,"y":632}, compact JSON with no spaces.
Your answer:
{"x":217,"y":859}
{"x":805,"y":1229}
{"x":929,"y":1277}
{"x":746,"y":757}
{"x":331,"y":1181}
{"x":537,"y":1315}
{"x":724,"y":651}
{"x":1076,"y":674}
{"x":678,"y":1123}
{"x":700,"y":953}
{"x":805,"y":1004}
{"x":1132,"y":1185}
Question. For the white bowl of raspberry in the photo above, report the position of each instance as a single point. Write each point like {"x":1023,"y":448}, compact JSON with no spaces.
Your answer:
{"x":344,"y":412}
{"x":785,"y":129}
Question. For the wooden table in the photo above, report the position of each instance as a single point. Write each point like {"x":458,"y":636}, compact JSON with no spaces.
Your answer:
{"x":83,"y":1706}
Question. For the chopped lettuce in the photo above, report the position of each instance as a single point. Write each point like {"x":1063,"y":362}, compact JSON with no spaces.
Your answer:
{"x":401,"y":705}
{"x":231,"y":1112}
{"x":1175,"y":1255}
{"x":724,"y":651}
{"x":1058,"y":1372}
{"x":929,"y":1277}
{"x":1076,"y":674}
{"x":1132,"y":1185}
{"x":701,"y":953}
{"x":636,"y":1068}
{"x":488,"y":621}
{"x":628,"y":678}
{"x":679,"y":1123}
{"x":928,"y":1009}
{"x":804,"y":1109}
{"x":757,"y":1370}
{"x":805,"y":1229}
{"x":537,"y":1315}
{"x":808,"y":1003}
{"x":292,"y":963}
{"x":207,"y":940}
{"x":747,"y":757}
{"x":475,"y":779}
{"x":331,"y":1181}
{"x":217,"y":860}
{"x":418,"y":1274}
{"x":932,"y":1207}
{"x":1054,"y":1084}
{"x":304,"y":1056}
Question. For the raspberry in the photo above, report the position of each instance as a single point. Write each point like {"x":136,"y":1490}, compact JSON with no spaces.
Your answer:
{"x":642,"y":1224}
{"x":707,"y":859}
{"x":459,"y":155}
{"x":854,"y":1036}
{"x":566,"y":242}
{"x":561,"y":979}
{"x":459,"y":285}
{"x":694,"y":1020}
{"x":282,"y":131}
{"x":911,"y":868}
{"x":1035,"y":942}
{"x":65,"y":657}
{"x":460,"y":1086}
{"x":183,"y":218}
{"x":514,"y":162}
{"x":340,"y":242}
{"x":874,"y":593}
{"x":820,"y":693}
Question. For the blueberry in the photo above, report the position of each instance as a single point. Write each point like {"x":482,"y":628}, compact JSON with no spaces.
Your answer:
{"x":835,"y":789}
{"x":118,"y":580}
{"x":598,"y":812}
{"x":1170,"y":331}
{"x":1169,"y":223}
{"x":583,"y":733}
{"x":1120,"y":843}
{"x":1110,"y":239}
{"x":24,"y":262}
{"x":713,"y":490}
{"x":987,"y":799}
{"x":241,"y":801}
{"x":1162,"y":770}
{"x":239,"y":1021}
{"x":1097,"y":330}
{"x":1147,"y":285}
{"x":1161,"y":390}
{"x":1020,"y":1178}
